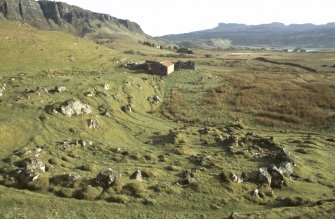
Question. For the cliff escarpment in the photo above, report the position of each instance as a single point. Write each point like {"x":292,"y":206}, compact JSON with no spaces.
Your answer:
{"x":50,"y":15}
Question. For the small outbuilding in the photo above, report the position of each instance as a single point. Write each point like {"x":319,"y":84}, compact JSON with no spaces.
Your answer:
{"x":160,"y":68}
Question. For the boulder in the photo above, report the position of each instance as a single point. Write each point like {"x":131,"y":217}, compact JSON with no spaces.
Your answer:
{"x":286,"y":168}
{"x":106,"y":177}
{"x":187,"y":177}
{"x":106,"y":86}
{"x":2,"y":90}
{"x":156,"y":98}
{"x":71,"y":58}
{"x":126,"y":108}
{"x":28,"y":176}
{"x":137,"y":175}
{"x":70,"y":177}
{"x":264,"y":176}
{"x":30,"y":169}
{"x":74,"y":107}
{"x":93,"y":123}
{"x":277,"y":179}
{"x":82,"y":142}
{"x":255,"y":193}
{"x":250,"y":134}
{"x":89,"y":94}
{"x":66,"y":180}
{"x":233,"y":177}
{"x":60,"y":89}
{"x":32,"y":164}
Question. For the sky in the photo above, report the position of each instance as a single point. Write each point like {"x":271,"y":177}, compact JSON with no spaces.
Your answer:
{"x":157,"y":17}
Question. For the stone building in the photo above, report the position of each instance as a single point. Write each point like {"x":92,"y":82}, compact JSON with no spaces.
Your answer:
{"x":160,"y":68}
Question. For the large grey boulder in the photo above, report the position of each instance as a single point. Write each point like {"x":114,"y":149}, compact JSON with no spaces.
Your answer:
{"x":106,"y":177}
{"x":74,"y":107}
{"x":137,"y":175}
{"x":30,"y":169}
{"x":32,"y":164}
{"x":286,"y":168}
{"x":276,"y":175}
{"x":264,"y":176}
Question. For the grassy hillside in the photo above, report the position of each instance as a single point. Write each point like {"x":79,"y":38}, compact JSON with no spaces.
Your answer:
{"x":187,"y":147}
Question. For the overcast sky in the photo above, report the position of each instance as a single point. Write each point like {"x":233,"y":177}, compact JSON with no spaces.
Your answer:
{"x":158,"y":17}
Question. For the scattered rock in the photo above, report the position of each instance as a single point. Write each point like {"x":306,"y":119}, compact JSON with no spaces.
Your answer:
{"x":203,"y":160}
{"x":187,"y":177}
{"x":137,"y":175}
{"x":255,"y":193}
{"x":30,"y":169}
{"x":106,"y":86}
{"x":106,"y":178}
{"x":204,"y":131}
{"x":233,"y":177}
{"x":89,"y":94}
{"x":28,"y":176}
{"x":60,"y":89}
{"x":283,"y":154}
{"x":286,"y":168}
{"x":264,"y":176}
{"x":277,"y":177}
{"x":71,"y":58}
{"x":2,"y":89}
{"x":236,"y":215}
{"x":219,"y":139}
{"x":126,"y":108}
{"x":66,"y":180}
{"x":154,"y":99}
{"x":74,"y":107}
{"x":82,"y":142}
{"x":93,"y":124}
{"x":70,"y":177}
{"x":32,"y":164}
{"x":106,"y":113}
{"x":250,"y":134}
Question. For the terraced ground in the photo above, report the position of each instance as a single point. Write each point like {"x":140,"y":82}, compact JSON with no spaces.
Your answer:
{"x":199,"y":149}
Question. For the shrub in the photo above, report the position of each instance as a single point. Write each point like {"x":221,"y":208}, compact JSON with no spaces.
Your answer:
{"x":120,"y":199}
{"x":209,"y":56}
{"x":88,"y":167}
{"x":133,"y":189}
{"x":130,"y":52}
{"x":42,"y":183}
{"x":65,"y":192}
{"x":89,"y":193}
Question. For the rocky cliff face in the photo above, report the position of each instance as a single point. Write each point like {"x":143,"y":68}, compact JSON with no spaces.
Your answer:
{"x":52,"y":15}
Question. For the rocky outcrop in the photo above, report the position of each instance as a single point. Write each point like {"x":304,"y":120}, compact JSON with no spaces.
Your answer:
{"x":69,"y":108}
{"x":52,"y":15}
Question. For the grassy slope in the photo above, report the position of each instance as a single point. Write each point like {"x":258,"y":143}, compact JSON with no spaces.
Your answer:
{"x":39,"y":59}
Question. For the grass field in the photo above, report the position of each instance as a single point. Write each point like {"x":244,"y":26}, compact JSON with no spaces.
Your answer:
{"x":230,"y":93}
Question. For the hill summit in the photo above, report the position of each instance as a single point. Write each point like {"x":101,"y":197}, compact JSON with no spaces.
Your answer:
{"x":273,"y":34}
